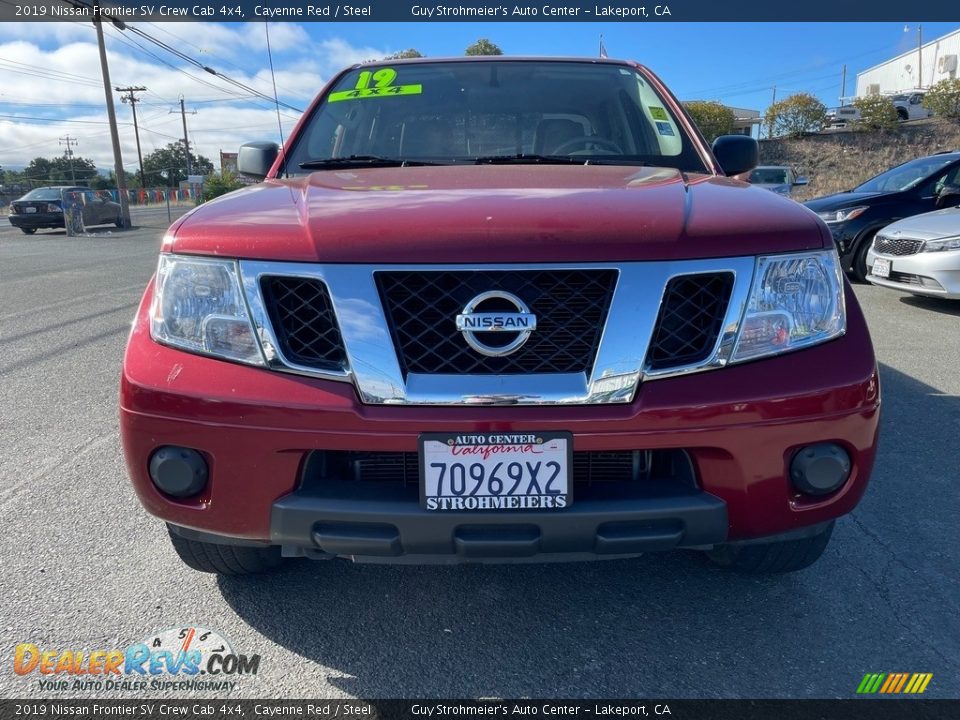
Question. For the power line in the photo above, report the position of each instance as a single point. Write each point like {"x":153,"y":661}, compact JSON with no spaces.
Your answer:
{"x":68,"y":153}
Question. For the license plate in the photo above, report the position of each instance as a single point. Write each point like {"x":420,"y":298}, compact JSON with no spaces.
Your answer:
{"x":29,"y":209}
{"x":881,"y":267}
{"x":495,"y":471}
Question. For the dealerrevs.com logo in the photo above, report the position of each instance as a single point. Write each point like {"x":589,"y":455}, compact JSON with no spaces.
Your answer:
{"x":182,"y":659}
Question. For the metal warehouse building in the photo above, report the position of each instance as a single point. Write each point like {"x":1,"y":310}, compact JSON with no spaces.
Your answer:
{"x":919,"y":68}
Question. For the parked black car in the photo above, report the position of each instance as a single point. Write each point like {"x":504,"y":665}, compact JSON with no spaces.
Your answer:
{"x":43,"y":208}
{"x":915,"y":187}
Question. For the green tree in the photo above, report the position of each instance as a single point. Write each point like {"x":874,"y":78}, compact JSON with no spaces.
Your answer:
{"x":483,"y":47}
{"x":714,"y":119}
{"x":167,"y":167}
{"x":220,"y":184}
{"x":944,"y":99}
{"x":109,"y":181}
{"x":408,"y":53}
{"x":796,"y":115}
{"x":57,"y":171}
{"x":876,"y":112}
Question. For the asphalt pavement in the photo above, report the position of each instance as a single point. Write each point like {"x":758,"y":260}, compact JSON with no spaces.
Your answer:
{"x":84,"y":567}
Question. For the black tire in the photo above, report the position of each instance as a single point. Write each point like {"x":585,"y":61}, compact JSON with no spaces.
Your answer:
{"x":902,"y":114}
{"x":859,"y":265}
{"x":28,"y":231}
{"x":118,"y":222}
{"x":774,"y":557}
{"x":225,"y":559}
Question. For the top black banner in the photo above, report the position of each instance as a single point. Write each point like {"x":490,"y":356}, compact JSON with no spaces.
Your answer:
{"x":621,"y":11}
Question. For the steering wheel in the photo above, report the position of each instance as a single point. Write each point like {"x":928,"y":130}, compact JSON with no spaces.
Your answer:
{"x":585,"y":140}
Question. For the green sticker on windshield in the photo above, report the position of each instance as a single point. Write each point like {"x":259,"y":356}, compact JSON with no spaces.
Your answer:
{"x":382,"y":87}
{"x":658,"y":113}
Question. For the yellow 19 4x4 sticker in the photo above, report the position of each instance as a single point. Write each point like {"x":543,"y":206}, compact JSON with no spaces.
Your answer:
{"x":382,"y":87}
{"x":658,"y":113}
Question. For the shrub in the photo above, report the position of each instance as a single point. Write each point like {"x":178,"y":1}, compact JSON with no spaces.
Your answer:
{"x":877,"y":112}
{"x":714,"y":119}
{"x":943,"y":99}
{"x":796,"y":115}
{"x":219,"y":184}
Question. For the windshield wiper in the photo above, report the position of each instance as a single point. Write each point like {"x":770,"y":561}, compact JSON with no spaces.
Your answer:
{"x":534,"y":159}
{"x":363,"y":161}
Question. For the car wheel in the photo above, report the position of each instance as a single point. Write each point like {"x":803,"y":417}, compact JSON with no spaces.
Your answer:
{"x":902,"y":115}
{"x":28,"y":231}
{"x":225,"y":559}
{"x":773,"y":557}
{"x":859,"y":266}
{"x":118,"y":222}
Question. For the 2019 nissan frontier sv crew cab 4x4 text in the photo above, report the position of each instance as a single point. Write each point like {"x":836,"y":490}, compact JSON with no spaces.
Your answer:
{"x":493,"y":309}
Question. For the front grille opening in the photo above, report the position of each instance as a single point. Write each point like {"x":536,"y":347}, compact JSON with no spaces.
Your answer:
{"x":303,"y":322}
{"x":690,"y":320}
{"x":595,"y":474}
{"x":571,"y":308}
{"x":897,"y":246}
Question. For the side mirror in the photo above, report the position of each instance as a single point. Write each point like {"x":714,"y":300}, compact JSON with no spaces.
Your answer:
{"x":800,"y":181}
{"x":256,"y":158}
{"x":948,"y":197}
{"x":736,"y":153}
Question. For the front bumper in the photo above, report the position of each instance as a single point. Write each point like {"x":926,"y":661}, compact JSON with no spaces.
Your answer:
{"x":932,"y":274}
{"x":740,"y":427}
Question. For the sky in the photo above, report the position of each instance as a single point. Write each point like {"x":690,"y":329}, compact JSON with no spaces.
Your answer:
{"x":51,"y":86}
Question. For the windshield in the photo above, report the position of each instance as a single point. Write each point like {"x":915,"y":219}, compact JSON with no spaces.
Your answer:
{"x":769,"y":176}
{"x":457,"y":112}
{"x":906,"y":176}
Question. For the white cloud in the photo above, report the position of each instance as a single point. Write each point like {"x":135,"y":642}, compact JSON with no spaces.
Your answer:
{"x":69,"y":99}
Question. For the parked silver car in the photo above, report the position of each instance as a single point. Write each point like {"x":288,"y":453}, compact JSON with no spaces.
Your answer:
{"x":919,"y":255}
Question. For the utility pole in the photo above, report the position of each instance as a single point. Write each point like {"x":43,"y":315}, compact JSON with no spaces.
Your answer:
{"x":920,"y":57}
{"x":112,"y":116}
{"x":131,"y":98}
{"x":843,"y":87}
{"x":186,"y":141}
{"x":68,"y":153}
{"x":773,"y":101}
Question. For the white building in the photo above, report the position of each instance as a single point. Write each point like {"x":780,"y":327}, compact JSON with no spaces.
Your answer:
{"x":915,"y":69}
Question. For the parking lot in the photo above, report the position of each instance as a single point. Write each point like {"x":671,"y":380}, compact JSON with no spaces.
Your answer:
{"x":84,"y":567}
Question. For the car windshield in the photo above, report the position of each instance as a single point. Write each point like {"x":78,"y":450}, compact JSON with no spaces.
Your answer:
{"x":769,"y":176}
{"x":492,"y":111}
{"x":905,"y":176}
{"x":43,"y":194}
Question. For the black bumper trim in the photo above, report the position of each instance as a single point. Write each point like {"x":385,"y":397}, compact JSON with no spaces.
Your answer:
{"x":385,"y":529}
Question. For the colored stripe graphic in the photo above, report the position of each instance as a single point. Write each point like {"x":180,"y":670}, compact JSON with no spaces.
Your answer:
{"x":894,"y":683}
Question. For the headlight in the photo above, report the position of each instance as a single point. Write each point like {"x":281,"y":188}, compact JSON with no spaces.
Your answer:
{"x":795,"y":301}
{"x":839,"y":216}
{"x":198,"y":306}
{"x":949,"y":243}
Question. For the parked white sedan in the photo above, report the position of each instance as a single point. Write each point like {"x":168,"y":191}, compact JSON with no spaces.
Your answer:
{"x":919,"y":255}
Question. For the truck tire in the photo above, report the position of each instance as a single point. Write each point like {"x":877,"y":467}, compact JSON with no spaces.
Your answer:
{"x":902,"y":114}
{"x":225,"y":559}
{"x":773,"y":557}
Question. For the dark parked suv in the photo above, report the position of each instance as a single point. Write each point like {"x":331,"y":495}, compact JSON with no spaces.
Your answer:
{"x":915,"y":187}
{"x":495,"y":309}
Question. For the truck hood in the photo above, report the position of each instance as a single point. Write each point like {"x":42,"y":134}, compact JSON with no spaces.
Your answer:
{"x":497,"y":214}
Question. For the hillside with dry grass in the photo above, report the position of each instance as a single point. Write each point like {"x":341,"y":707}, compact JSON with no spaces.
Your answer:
{"x":837,"y":161}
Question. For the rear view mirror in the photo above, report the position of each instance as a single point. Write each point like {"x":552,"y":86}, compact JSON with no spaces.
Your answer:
{"x":736,"y":153}
{"x":800,"y":181}
{"x":255,"y":159}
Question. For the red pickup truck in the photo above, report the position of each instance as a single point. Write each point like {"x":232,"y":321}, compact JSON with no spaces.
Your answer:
{"x":494,"y":309}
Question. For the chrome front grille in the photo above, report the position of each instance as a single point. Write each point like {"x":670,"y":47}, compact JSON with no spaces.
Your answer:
{"x":601,"y":329}
{"x":897,"y":246}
